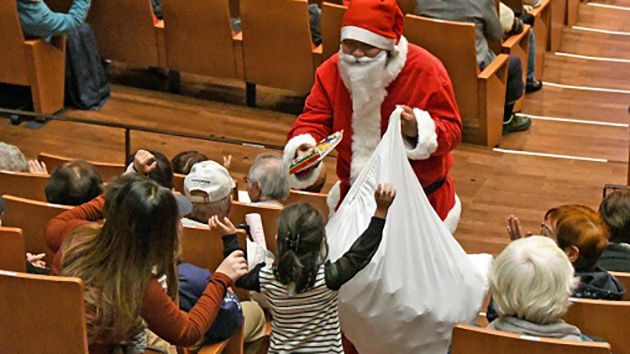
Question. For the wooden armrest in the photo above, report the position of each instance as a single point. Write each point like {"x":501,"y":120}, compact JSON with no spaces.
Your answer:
{"x":497,"y":64}
{"x":536,"y":11}
{"x":517,"y":38}
{"x":318,"y":50}
{"x":238,"y":36}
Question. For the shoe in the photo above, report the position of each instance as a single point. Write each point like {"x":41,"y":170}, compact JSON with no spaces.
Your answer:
{"x":536,"y":86}
{"x":516,"y":124}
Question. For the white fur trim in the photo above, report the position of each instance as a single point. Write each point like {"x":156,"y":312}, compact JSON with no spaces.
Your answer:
{"x":427,"y":137}
{"x":366,"y":118}
{"x":452,"y":219}
{"x":368,"y":37}
{"x":289,"y":154}
{"x":332,"y":199}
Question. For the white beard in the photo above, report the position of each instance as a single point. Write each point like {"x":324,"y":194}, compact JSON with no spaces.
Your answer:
{"x":362,"y":76}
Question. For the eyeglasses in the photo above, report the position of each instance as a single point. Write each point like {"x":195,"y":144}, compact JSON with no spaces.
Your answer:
{"x":545,"y":230}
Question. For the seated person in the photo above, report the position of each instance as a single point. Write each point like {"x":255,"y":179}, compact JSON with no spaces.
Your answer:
{"x":209,"y":187}
{"x":152,"y":164}
{"x":12,"y":159}
{"x":484,"y":15}
{"x":184,"y":161}
{"x":531,"y":281}
{"x":615,"y":212}
{"x":580,"y":233}
{"x":38,"y":20}
{"x":74,"y":183}
{"x":268,"y":181}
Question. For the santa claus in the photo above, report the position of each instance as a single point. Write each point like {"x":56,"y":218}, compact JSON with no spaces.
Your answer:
{"x":357,"y":90}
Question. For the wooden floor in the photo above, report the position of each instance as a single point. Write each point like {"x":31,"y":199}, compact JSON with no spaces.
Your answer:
{"x":491,"y":184}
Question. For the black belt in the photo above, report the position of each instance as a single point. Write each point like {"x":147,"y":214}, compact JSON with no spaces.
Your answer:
{"x":430,"y":189}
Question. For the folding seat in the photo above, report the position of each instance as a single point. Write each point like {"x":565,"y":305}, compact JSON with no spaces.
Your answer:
{"x":108,"y":171}
{"x":269,"y":216}
{"x":23,"y":184}
{"x":12,"y":254}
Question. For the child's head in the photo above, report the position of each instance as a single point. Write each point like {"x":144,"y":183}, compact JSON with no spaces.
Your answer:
{"x":301,"y":238}
{"x":615,"y":212}
{"x":579,"y":232}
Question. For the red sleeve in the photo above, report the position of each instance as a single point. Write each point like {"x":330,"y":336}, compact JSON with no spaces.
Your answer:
{"x":58,"y":229}
{"x":317,"y":117}
{"x":443,"y":109}
{"x":177,"y":327}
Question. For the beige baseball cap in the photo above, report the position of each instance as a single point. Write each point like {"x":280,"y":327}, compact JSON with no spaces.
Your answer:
{"x":212,"y":179}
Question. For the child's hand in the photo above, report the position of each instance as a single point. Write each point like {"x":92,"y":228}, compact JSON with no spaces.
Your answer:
{"x":144,"y":162}
{"x":226,"y":227}
{"x":384,"y":196}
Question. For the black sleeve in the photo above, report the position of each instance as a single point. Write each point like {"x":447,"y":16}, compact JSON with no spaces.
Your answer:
{"x":357,"y":257}
{"x":251,"y":280}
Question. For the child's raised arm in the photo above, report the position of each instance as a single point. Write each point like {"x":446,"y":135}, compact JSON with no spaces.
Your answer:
{"x":364,"y":248}
{"x":249,"y":281}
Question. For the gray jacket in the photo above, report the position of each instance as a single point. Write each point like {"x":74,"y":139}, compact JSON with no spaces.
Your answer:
{"x":556,"y":330}
{"x":482,"y":13}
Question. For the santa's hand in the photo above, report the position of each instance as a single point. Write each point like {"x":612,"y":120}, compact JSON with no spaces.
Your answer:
{"x":408,"y":123}
{"x":304,"y":150}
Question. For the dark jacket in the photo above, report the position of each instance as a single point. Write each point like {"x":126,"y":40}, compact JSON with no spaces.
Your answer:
{"x":596,"y":283}
{"x":616,"y":258}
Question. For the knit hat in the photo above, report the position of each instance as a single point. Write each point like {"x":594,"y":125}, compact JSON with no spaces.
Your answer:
{"x":378,"y":23}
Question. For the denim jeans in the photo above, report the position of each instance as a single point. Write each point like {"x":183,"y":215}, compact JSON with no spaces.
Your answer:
{"x":531,"y":59}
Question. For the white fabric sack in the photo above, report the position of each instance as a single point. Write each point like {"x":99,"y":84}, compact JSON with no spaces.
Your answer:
{"x":420,"y":282}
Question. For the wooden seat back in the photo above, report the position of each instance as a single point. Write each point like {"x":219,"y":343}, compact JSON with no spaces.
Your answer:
{"x":624,"y":279}
{"x":318,"y":200}
{"x":23,"y":184}
{"x":31,"y":216}
{"x":125,"y":31}
{"x":453,"y":43}
{"x":332,"y":18}
{"x":269,"y":216}
{"x":109,"y":171}
{"x":198,"y":37}
{"x":277,"y":46}
{"x":469,"y":339}
{"x":42,"y":314}
{"x":13,"y":59}
{"x":602,"y":319}
{"x":12,"y":254}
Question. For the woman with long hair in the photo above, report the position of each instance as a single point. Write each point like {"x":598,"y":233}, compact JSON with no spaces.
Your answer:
{"x":121,"y":261}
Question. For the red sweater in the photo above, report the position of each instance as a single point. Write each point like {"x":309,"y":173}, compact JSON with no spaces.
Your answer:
{"x":160,"y":312}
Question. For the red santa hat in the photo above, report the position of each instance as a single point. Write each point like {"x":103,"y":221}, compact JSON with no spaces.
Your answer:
{"x":378,"y":23}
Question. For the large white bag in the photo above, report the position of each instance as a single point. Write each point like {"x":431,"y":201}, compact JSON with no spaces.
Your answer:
{"x":420,"y":281}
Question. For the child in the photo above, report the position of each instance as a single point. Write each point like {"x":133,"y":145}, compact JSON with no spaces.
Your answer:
{"x":302,"y":286}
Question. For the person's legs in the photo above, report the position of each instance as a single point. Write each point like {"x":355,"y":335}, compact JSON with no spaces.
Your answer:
{"x":254,"y":326}
{"x":514,"y":91}
{"x":532,"y":85}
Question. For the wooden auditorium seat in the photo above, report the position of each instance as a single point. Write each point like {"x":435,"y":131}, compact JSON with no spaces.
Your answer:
{"x":624,"y":279}
{"x":480,"y":97}
{"x":269,"y":216}
{"x":318,"y":200}
{"x":602,"y":319}
{"x":23,"y":184}
{"x":42,"y":314}
{"x":277,"y":47}
{"x":12,"y":254}
{"x":125,"y":31}
{"x":469,"y":339}
{"x":199,"y":38}
{"x":332,"y":18}
{"x":108,"y":171}
{"x":35,"y":63}
{"x":31,"y":216}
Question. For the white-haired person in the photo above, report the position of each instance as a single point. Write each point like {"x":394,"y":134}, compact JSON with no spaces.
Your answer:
{"x":532,"y":280}
{"x":268,"y":181}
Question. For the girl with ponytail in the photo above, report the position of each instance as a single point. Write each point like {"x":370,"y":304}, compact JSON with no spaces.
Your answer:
{"x":302,"y":286}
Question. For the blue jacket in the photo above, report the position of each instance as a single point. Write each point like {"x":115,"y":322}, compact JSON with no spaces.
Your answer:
{"x":39,"y":21}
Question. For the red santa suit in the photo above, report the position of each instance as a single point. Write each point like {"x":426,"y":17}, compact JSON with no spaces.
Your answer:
{"x":413,"y":77}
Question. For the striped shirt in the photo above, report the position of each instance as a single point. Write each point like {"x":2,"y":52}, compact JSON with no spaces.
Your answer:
{"x":307,"y":322}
